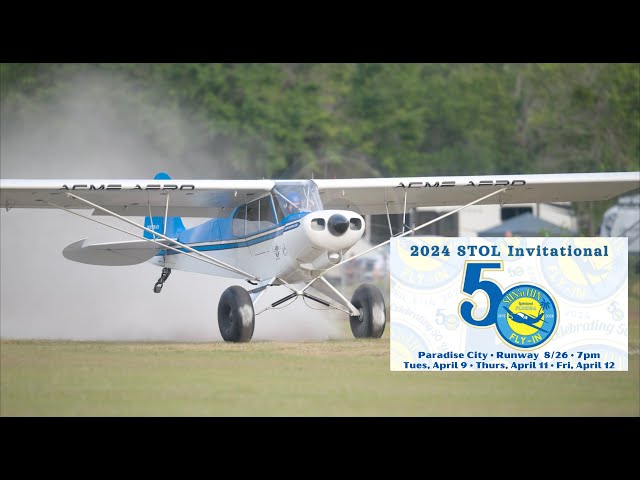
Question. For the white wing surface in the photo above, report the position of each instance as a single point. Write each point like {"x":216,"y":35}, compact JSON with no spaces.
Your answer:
{"x":187,"y":198}
{"x":216,"y":198}
{"x":373,"y":195}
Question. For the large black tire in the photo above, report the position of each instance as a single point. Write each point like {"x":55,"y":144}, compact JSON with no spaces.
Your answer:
{"x":373,"y":313}
{"x":236,"y":317}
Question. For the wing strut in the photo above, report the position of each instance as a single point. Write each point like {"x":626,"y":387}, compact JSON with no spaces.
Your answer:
{"x":386,"y":205}
{"x":150,"y":216}
{"x":404,"y":210}
{"x":166,"y":215}
{"x":200,"y":255}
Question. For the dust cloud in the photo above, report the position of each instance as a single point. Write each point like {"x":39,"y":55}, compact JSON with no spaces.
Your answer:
{"x":89,"y":131}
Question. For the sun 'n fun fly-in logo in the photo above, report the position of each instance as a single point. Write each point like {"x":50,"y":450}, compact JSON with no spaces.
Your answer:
{"x":527,"y":316}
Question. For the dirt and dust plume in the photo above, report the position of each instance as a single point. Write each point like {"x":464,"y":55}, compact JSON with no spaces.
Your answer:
{"x":89,"y":130}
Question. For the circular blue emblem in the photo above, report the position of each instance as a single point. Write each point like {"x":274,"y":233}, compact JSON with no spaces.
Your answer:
{"x":527,"y":316}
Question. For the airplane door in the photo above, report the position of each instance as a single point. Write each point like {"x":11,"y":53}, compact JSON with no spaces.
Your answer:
{"x":261,"y":248}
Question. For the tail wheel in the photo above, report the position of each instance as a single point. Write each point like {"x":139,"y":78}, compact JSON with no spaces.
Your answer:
{"x":236,"y":317}
{"x":373,"y":314}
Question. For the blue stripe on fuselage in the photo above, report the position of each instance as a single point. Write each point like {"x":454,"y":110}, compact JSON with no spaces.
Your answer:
{"x":238,"y":244}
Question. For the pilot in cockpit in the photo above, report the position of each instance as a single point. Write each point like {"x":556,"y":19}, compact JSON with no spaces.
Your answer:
{"x":293,"y":203}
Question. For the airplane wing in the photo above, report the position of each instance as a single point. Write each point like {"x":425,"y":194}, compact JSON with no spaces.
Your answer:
{"x":370,"y":195}
{"x":215,"y":198}
{"x":112,"y":253}
{"x":187,"y":198}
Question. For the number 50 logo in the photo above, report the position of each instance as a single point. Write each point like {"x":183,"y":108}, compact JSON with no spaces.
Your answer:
{"x":525,"y":315}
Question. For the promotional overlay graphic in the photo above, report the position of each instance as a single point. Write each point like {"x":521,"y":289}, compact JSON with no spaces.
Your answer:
{"x":509,"y":304}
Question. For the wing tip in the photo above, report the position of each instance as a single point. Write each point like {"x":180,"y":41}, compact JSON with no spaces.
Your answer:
{"x":73,"y":247}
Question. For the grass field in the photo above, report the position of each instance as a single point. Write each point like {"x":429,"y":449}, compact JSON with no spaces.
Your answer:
{"x":333,"y":378}
{"x":294,"y":379}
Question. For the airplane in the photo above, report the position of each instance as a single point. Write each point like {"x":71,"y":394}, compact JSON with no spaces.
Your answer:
{"x":279,"y":232}
{"x":521,"y":317}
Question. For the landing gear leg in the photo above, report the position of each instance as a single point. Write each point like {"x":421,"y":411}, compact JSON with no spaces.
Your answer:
{"x":163,"y":278}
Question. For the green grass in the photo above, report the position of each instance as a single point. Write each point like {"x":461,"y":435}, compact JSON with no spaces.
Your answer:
{"x":334,"y":378}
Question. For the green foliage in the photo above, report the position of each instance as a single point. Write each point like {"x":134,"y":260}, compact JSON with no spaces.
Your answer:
{"x":584,"y":117}
{"x":326,"y":120}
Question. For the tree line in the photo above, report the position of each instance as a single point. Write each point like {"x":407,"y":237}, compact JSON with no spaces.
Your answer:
{"x":364,"y":119}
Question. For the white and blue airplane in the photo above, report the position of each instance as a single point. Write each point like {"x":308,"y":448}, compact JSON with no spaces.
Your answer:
{"x":279,"y":232}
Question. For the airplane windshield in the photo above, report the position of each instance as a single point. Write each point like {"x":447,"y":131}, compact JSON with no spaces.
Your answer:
{"x":296,"y":197}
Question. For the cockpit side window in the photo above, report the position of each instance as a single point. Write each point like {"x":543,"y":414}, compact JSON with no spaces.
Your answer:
{"x":259,"y":215}
{"x":238,"y":224}
{"x":267,"y":219}
{"x":253,"y":217}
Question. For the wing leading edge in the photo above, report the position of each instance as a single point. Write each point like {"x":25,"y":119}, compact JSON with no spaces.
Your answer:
{"x":374,"y":195}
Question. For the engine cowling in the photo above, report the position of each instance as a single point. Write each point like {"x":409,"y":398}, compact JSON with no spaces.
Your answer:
{"x":325,"y":236}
